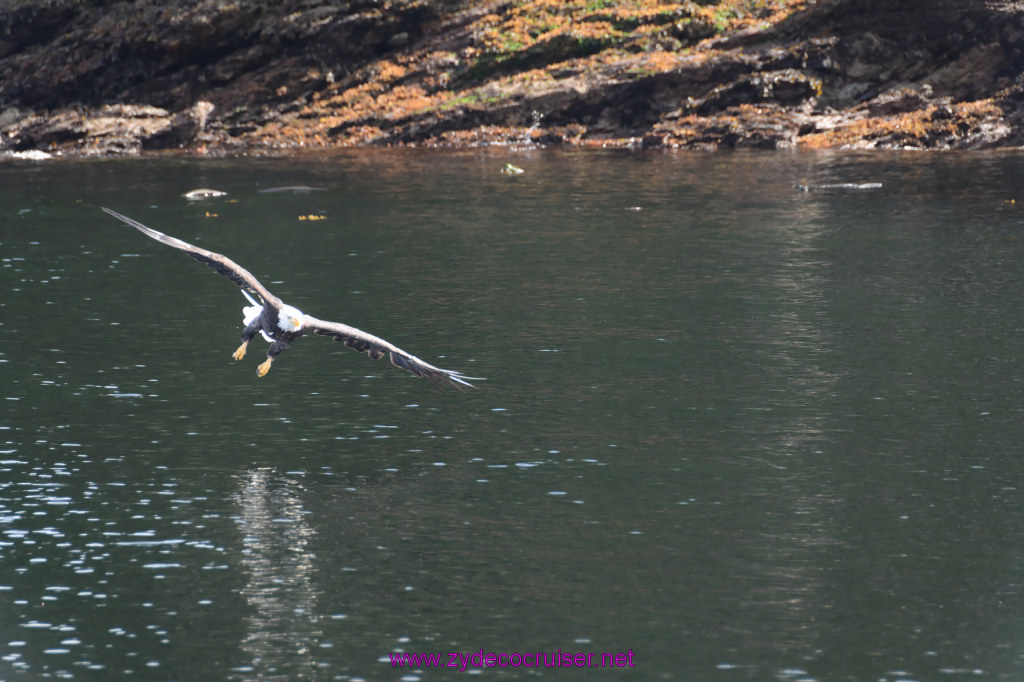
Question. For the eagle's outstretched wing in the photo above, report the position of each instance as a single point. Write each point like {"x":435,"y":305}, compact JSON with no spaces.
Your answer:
{"x":222,"y":264}
{"x":375,"y":347}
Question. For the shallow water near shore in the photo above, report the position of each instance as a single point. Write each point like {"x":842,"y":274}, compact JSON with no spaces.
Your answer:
{"x":737,"y":430}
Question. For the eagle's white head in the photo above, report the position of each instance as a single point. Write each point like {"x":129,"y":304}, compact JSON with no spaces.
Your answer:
{"x":289,"y":319}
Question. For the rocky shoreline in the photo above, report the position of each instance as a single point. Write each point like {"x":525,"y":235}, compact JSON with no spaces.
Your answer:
{"x":81,"y":77}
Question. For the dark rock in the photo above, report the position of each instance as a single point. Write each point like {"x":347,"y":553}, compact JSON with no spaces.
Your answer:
{"x":184,"y":128}
{"x":788,"y":86}
{"x":104,"y":76}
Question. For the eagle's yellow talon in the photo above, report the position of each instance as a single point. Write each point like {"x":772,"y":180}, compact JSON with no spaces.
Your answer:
{"x":240,"y":353}
{"x":264,"y":367}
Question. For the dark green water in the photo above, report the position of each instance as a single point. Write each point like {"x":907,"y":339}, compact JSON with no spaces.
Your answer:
{"x":741,"y":431}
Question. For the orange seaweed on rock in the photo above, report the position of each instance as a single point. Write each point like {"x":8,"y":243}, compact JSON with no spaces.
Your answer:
{"x":920,"y":128}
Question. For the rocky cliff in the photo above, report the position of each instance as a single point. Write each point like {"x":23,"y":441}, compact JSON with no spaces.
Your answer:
{"x":120,"y":76}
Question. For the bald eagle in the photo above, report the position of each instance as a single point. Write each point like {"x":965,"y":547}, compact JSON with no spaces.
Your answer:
{"x":281,"y":324}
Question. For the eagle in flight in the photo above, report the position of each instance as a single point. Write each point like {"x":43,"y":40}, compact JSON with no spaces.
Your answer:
{"x":281,"y":324}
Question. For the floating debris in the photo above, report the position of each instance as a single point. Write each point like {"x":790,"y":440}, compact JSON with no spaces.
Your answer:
{"x":840,"y":185}
{"x":509,"y":169}
{"x":196,"y":194}
{"x":297,"y":189}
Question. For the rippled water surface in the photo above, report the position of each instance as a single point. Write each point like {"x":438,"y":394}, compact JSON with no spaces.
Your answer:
{"x":733,"y":429}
